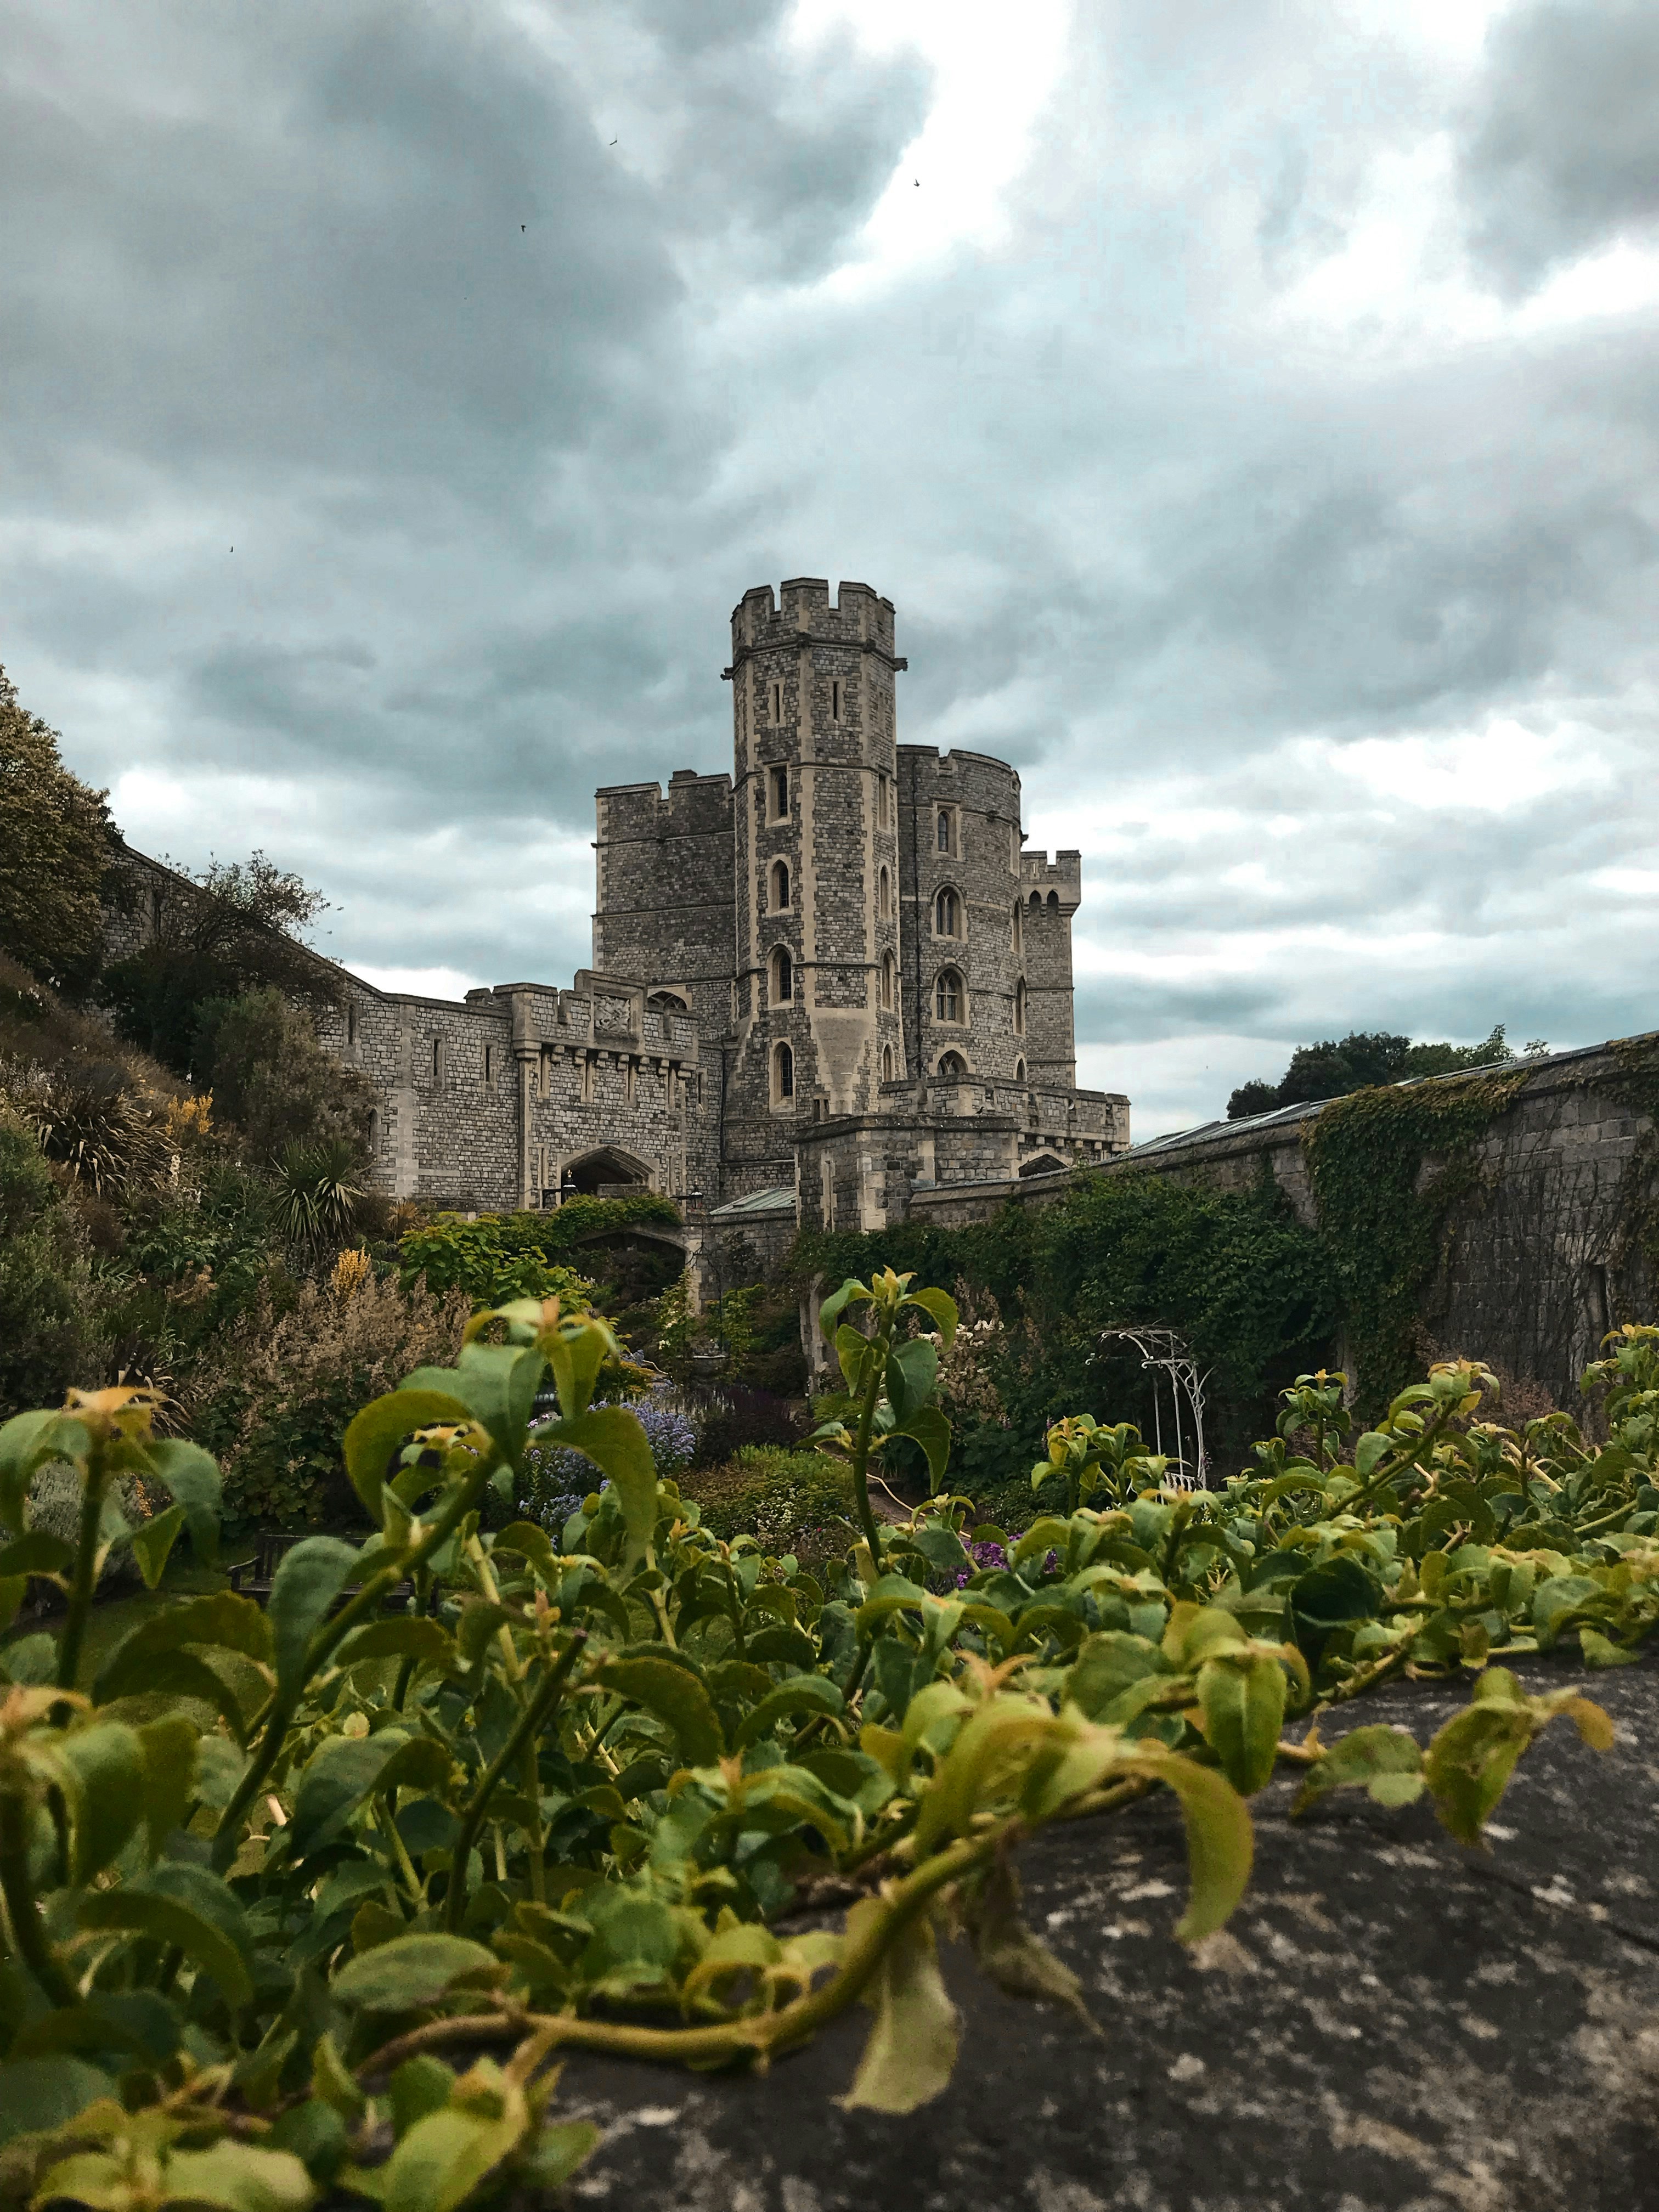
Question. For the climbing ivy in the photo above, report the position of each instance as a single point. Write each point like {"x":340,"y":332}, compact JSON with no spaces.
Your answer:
{"x":1248,"y":1286}
{"x":1389,"y":1167}
{"x":1635,"y":1086}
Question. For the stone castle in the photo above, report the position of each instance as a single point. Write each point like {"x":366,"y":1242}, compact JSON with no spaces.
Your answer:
{"x":834,"y":975}
{"x":829,"y":981}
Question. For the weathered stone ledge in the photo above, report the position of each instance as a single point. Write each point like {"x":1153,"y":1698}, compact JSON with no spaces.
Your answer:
{"x":1391,"y":2023}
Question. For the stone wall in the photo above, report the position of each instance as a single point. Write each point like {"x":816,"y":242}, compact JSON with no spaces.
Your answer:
{"x":944,"y":1135}
{"x":1543,"y":1257}
{"x":518,"y":1093}
{"x":134,"y":916}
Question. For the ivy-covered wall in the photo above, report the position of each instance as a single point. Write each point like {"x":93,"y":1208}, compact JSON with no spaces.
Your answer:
{"x":1514,"y":1214}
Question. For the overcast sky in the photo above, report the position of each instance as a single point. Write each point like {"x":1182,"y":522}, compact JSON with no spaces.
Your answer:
{"x":1250,"y":409}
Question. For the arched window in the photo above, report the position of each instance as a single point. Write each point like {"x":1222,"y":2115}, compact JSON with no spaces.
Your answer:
{"x":777,"y":791}
{"x":883,"y":896}
{"x":952,"y":1063}
{"x":667,"y":1002}
{"x":783,"y":1072}
{"x":1053,"y":901}
{"x":942,"y":833}
{"x":1019,"y":1007}
{"x":948,"y":995}
{"x":779,"y":886}
{"x":1036,"y":898}
{"x":1019,"y":931}
{"x":1020,"y":1071}
{"x":783,"y":977}
{"x":887,"y":1063}
{"x":947,"y":914}
{"x":889,"y":978}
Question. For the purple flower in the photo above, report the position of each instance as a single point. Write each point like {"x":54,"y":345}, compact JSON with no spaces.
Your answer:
{"x":984,"y":1556}
{"x":556,"y":1479}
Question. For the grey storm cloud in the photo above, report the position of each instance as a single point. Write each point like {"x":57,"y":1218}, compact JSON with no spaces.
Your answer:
{"x":1561,"y":154}
{"x":501,"y":418}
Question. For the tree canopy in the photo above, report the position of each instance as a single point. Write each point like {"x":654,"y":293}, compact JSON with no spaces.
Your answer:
{"x":1337,"y":1066}
{"x":55,"y":855}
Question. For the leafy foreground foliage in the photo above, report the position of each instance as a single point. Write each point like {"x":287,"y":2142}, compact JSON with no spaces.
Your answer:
{"x":276,"y":1876}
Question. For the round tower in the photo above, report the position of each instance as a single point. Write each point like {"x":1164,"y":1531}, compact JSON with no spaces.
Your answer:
{"x":817,"y":980}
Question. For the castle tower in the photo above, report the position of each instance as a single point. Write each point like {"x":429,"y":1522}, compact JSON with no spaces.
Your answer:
{"x":817,"y":988}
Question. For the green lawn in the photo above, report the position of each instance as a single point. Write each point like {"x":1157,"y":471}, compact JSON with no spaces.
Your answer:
{"x":114,"y":1618}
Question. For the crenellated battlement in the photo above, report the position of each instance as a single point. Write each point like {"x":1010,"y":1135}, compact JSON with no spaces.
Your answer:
{"x":800,"y":613}
{"x":693,"y":805}
{"x":1060,"y":877}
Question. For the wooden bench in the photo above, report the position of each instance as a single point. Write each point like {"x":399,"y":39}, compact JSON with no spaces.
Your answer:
{"x":253,"y":1577}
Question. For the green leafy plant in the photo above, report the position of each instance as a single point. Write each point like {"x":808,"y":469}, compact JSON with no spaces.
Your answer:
{"x":301,"y":1899}
{"x":500,"y":1256}
{"x":317,"y":1194}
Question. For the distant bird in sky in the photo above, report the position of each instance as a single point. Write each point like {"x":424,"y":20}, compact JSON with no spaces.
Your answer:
{"x":521,"y":226}
{"x":613,"y":142}
{"x":918,"y":184}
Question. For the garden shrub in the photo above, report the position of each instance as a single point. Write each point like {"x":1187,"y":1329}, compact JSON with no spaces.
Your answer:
{"x":49,"y":1321}
{"x":735,"y":1417}
{"x":791,"y":1501}
{"x":289,"y":1385}
{"x":496,"y":1257}
{"x":259,"y":1054}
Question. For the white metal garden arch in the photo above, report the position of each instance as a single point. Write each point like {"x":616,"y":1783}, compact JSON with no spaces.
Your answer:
{"x":1166,"y":1354}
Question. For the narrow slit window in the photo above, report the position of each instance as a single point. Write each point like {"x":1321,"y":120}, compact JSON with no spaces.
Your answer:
{"x":943,"y":834}
{"x":887,"y":1063}
{"x":490,"y":1066}
{"x":777,"y":702}
{"x":779,"y":782}
{"x":783,"y":1072}
{"x":779,"y":886}
{"x":835,"y":702}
